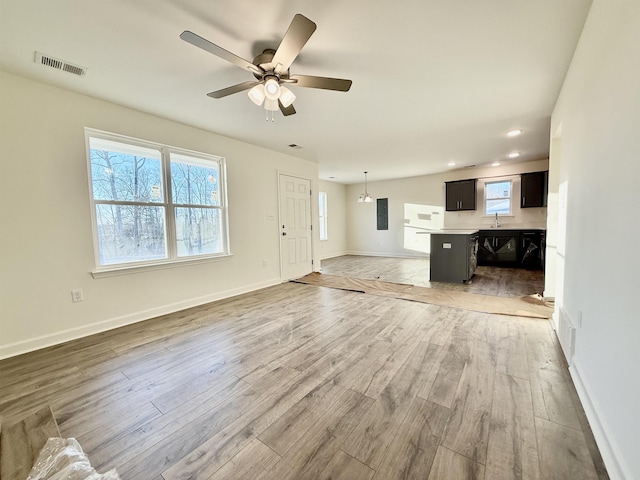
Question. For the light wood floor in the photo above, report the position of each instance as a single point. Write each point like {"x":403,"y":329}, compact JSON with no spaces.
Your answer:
{"x":301,"y":382}
{"x":501,"y":282}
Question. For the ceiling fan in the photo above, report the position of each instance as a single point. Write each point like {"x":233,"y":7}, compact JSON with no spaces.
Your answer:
{"x":271,"y":69}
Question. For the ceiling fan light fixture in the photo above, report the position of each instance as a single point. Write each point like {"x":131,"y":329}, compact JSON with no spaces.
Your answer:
{"x":271,"y":68}
{"x":271,"y":104}
{"x":256,"y":94}
{"x":286,"y":97}
{"x":272,"y":89}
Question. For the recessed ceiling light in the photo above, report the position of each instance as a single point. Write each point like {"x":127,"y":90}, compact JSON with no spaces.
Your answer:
{"x":495,"y":164}
{"x":294,"y":146}
{"x":514,"y":133}
{"x":451,"y":164}
{"x":514,"y":155}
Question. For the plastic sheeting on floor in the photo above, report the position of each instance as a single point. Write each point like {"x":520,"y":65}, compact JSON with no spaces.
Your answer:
{"x":63,"y":459}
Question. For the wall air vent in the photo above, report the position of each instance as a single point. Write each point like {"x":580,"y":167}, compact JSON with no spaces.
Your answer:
{"x":58,"y":64}
{"x":566,"y":335}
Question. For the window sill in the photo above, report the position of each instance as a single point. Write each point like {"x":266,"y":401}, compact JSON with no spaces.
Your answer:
{"x":131,"y":269}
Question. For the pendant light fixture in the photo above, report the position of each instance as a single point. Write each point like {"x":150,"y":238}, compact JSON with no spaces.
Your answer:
{"x":365,"y":197}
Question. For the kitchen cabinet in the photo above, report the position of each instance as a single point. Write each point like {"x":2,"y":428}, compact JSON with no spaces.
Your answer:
{"x":531,"y":249}
{"x":460,"y":195}
{"x":453,"y":256}
{"x":512,"y":248}
{"x":533,"y":189}
{"x":498,"y":247}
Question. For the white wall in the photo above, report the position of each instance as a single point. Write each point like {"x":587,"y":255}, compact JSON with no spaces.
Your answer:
{"x":46,"y":240}
{"x":425,"y":192}
{"x":336,"y":244}
{"x":599,"y":114}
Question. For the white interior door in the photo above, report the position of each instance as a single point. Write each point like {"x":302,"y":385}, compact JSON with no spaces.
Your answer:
{"x":295,"y":227}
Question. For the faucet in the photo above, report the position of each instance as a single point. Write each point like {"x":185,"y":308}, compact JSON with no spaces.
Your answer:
{"x":497,"y":224}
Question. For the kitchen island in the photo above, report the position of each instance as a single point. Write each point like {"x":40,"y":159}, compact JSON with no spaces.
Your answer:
{"x":453,"y":255}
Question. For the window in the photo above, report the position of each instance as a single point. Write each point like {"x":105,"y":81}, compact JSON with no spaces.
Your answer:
{"x":154,"y":204}
{"x":322,"y":207}
{"x":497,"y":197}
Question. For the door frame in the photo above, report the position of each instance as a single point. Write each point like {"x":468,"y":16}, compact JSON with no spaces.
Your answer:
{"x":312,"y":215}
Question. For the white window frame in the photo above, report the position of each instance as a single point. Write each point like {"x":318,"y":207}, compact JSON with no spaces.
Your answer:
{"x":486,"y":198}
{"x":172,"y":259}
{"x":323,"y":213}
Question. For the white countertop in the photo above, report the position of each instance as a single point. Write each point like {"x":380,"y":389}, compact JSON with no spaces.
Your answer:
{"x":449,"y":232}
{"x":469,"y":231}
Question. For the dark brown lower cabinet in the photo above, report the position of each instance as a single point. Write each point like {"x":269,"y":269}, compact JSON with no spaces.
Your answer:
{"x":512,"y":248}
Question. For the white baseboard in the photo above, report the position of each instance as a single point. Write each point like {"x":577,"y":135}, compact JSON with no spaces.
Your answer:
{"x":37,"y":343}
{"x":333,"y":255}
{"x":615,"y":466}
{"x":390,"y":255}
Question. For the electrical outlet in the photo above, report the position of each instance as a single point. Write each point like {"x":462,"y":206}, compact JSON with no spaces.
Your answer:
{"x":264,"y":263}
{"x":77,"y":296}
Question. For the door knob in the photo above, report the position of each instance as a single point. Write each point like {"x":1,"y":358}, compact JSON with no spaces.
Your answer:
{"x":284,"y":234}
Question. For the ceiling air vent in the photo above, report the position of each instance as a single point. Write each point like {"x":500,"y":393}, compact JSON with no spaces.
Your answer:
{"x":58,"y":64}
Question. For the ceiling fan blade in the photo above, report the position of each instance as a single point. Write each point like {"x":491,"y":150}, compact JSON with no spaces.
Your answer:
{"x":232,"y":89}
{"x":286,"y":111}
{"x":205,"y":44}
{"x":298,"y":33}
{"x":326,"y":83}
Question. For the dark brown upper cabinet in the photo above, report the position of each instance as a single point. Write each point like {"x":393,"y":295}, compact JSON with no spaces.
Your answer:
{"x":533,"y":189}
{"x":460,"y":195}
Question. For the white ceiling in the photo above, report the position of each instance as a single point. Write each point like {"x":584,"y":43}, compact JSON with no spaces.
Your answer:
{"x":434,"y":81}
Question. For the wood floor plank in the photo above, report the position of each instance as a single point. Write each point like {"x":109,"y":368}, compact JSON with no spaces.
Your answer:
{"x":369,"y":441}
{"x":148,"y":438}
{"x":345,"y":467}
{"x":449,"y":465}
{"x":411,"y":453}
{"x":310,"y":456}
{"x":250,"y":462}
{"x":563,"y":452}
{"x":511,"y":346}
{"x":105,"y":427}
{"x":178,"y":448}
{"x":512,"y":451}
{"x":210,"y":455}
{"x":467,"y":429}
{"x":442,"y":389}
{"x":290,"y":427}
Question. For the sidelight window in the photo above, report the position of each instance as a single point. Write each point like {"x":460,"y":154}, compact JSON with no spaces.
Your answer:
{"x":322,"y":208}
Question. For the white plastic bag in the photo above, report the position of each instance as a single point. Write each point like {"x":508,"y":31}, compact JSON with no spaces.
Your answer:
{"x":63,"y":459}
